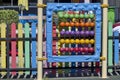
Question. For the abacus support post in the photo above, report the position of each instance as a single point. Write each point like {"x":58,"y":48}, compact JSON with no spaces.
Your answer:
{"x":104,"y":40}
{"x":40,"y":37}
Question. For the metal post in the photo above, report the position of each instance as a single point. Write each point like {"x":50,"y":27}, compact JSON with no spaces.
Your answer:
{"x":104,"y":40}
{"x":40,"y":39}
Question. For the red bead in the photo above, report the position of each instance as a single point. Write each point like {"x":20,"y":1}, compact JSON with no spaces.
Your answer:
{"x":81,"y":49}
{"x":86,"y":49}
{"x":66,"y":49}
{"x":54,"y":64}
{"x":62,"y":49}
{"x":71,"y":49}
{"x":76,"y":49}
{"x":54,"y":52}
{"x":91,"y":50}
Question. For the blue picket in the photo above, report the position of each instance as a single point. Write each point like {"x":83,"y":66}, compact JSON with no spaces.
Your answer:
{"x":33,"y":46}
{"x":116,"y":48}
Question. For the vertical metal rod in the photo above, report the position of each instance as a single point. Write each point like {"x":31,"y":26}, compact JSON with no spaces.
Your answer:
{"x":11,"y":2}
{"x":104,"y":40}
{"x":8,"y":50}
{"x":40,"y":39}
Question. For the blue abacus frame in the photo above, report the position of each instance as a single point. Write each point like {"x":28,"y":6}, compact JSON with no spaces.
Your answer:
{"x":51,"y":7}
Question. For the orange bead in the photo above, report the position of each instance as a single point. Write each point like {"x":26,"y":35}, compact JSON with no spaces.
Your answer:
{"x":62,"y":24}
{"x":67,"y":24}
{"x":82,"y":24}
{"x":92,"y":24}
{"x":77,"y":24}
{"x":72,"y":24}
{"x":87,"y":24}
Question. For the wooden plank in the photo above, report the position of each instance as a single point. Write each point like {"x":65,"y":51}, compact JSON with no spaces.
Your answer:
{"x":27,"y":48}
{"x":33,"y":45}
{"x":110,"y":46}
{"x":3,"y":47}
{"x":116,"y":48}
{"x":13,"y":47}
{"x":20,"y":48}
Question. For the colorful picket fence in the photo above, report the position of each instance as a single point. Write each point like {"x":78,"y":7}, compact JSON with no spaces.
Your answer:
{"x":18,"y":48}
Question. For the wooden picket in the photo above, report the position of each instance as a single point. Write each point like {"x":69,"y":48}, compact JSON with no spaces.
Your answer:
{"x":27,"y":47}
{"x":3,"y":46}
{"x":20,"y":48}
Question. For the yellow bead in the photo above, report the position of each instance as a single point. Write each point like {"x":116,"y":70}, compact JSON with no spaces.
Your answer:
{"x":87,"y":41}
{"x":77,"y":41}
{"x":67,"y":41}
{"x":62,"y":41}
{"x":92,"y":41}
{"x":72,"y":41}
{"x":82,"y":41}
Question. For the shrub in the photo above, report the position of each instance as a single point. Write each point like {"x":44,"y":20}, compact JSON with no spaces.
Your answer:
{"x":9,"y":16}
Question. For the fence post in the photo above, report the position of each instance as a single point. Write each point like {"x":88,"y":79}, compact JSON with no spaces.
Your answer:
{"x":104,"y":40}
{"x":40,"y":39}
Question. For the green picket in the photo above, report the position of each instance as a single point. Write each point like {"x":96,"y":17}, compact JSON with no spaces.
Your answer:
{"x":27,"y":47}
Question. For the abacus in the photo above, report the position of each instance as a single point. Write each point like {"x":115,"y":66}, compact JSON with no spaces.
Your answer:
{"x":73,"y":32}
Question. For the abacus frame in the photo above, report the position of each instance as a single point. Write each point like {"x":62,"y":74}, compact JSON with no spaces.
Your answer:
{"x":51,"y":7}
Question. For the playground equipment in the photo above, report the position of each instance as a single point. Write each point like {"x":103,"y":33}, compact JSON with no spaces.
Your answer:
{"x":73,"y":43}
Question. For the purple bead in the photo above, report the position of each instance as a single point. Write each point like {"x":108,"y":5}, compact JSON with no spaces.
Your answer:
{"x":77,"y":33}
{"x":92,"y":33}
{"x":67,"y":33}
{"x":87,"y":33}
{"x":62,"y":32}
{"x":72,"y":32}
{"x":82,"y":33}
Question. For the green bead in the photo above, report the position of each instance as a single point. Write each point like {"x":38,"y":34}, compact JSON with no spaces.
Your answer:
{"x":66,"y":16}
{"x":91,"y":15}
{"x":86,"y":16}
{"x":76,"y":16}
{"x":81,"y":15}
{"x":71,"y":16}
{"x":60,"y":15}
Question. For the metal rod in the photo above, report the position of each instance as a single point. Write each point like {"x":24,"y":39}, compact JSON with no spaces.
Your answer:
{"x":104,"y":40}
{"x":8,"y":50}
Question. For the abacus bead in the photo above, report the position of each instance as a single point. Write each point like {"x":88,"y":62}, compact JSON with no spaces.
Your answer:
{"x":77,"y":33}
{"x":72,"y":32}
{"x":62,"y":32}
{"x":82,"y":33}
{"x":62,"y":41}
{"x":91,"y":50}
{"x":82,"y":41}
{"x":86,"y":16}
{"x":67,"y":33}
{"x":54,"y":52}
{"x":81,"y":49}
{"x":54,"y":64}
{"x":66,"y":15}
{"x":71,"y":49}
{"x":62,"y":49}
{"x":87,"y":41}
{"x":76,"y":49}
{"x":81,"y":15}
{"x":77,"y":41}
{"x":87,"y":33}
{"x":92,"y":33}
{"x":92,"y":41}
{"x":67,"y":41}
{"x":76,"y":16}
{"x":66,"y":49}
{"x":72,"y":41}
{"x":71,"y":16}
{"x":86,"y":49}
{"x":91,"y":15}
